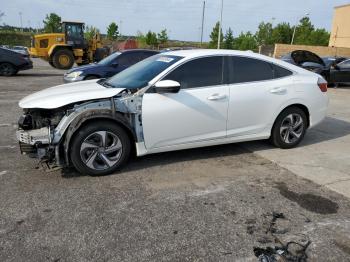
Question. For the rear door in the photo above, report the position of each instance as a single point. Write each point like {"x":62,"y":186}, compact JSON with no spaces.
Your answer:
{"x":257,"y":90}
{"x":197,"y":113}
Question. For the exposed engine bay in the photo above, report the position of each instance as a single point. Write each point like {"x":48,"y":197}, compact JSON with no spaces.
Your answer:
{"x":46,"y":133}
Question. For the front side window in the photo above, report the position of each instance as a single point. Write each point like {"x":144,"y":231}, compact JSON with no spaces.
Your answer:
{"x":201,"y":72}
{"x":344,"y":65}
{"x":109,"y":59}
{"x":246,"y":69}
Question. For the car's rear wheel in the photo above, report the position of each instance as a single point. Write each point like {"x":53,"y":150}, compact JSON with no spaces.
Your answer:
{"x":63,"y":59}
{"x":7,"y":69}
{"x":289,"y":128}
{"x":100,"y":148}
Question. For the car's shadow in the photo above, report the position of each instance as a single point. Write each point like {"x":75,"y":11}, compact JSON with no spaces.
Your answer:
{"x":161,"y":159}
{"x":330,"y":129}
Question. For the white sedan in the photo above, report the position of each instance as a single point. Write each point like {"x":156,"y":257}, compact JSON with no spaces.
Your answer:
{"x":171,"y":101}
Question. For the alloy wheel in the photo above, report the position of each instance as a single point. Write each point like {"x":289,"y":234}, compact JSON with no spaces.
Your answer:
{"x":5,"y":69}
{"x":101,"y":150}
{"x":291,"y":128}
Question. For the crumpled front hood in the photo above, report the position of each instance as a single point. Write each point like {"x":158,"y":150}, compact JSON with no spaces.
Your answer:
{"x":61,"y":95}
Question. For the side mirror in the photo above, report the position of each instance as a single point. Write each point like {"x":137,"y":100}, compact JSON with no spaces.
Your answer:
{"x":115,"y":64}
{"x":167,"y":86}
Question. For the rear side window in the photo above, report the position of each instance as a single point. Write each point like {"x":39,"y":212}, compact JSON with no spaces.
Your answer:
{"x":280,"y":72}
{"x":201,"y":72}
{"x":246,"y":69}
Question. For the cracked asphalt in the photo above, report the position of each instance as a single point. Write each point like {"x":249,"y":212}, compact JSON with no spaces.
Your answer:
{"x":208,"y":204}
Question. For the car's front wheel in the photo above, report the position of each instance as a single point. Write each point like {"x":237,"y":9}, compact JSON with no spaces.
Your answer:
{"x":289,"y":128}
{"x":100,"y":148}
{"x":7,"y":69}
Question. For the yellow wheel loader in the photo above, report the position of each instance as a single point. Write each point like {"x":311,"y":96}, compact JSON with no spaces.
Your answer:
{"x":61,"y":50}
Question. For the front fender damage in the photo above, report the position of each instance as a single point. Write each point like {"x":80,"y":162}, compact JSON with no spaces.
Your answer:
{"x":125,"y":110}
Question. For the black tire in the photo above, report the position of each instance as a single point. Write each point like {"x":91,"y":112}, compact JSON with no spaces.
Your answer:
{"x":83,"y":135}
{"x":286,"y":128}
{"x":100,"y":53}
{"x":90,"y":77}
{"x":51,"y":64}
{"x":63,"y":59}
{"x":7,"y":69}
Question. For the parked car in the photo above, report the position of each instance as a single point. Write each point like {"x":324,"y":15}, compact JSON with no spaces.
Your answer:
{"x":11,"y":62}
{"x":171,"y":101}
{"x":108,"y":66}
{"x":308,"y":61}
{"x":20,"y":49}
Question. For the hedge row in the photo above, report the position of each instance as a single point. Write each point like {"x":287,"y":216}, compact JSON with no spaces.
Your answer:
{"x":15,"y":38}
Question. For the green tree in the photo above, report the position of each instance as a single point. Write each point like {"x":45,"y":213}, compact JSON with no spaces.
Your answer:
{"x":303,"y":31}
{"x":245,"y":41}
{"x":229,"y":39}
{"x":264,"y":34}
{"x":282,"y":34}
{"x":112,"y":31}
{"x":214,"y":36}
{"x":52,"y":23}
{"x":319,"y":37}
{"x":151,"y":39}
{"x":90,"y":32}
{"x":163,"y":37}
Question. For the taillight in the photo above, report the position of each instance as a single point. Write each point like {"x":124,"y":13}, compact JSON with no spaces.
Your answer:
{"x":322,"y":84}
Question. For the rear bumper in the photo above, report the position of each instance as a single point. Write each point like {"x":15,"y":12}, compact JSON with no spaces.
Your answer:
{"x":319,"y":113}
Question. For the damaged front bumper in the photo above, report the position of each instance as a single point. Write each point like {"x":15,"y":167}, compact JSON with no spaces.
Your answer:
{"x":35,"y":143}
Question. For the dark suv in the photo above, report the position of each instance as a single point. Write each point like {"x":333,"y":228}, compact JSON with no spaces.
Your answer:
{"x":108,"y":66}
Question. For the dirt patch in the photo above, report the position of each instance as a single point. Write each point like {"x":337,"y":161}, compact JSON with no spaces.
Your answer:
{"x":310,"y":202}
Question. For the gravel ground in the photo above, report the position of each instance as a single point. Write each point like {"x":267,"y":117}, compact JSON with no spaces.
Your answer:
{"x":209,"y":204}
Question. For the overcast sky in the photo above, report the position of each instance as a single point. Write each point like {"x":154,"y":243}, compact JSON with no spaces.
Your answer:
{"x":182,"y":18}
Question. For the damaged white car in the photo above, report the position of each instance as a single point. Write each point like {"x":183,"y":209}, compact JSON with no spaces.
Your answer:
{"x":171,"y":101}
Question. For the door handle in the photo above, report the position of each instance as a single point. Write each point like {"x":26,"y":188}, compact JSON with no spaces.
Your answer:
{"x":278,"y":91}
{"x":214,"y":97}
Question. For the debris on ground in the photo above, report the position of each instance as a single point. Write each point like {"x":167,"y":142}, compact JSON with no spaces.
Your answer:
{"x":291,"y":251}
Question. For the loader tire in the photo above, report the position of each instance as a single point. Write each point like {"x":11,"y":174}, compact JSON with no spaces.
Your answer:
{"x":63,"y":59}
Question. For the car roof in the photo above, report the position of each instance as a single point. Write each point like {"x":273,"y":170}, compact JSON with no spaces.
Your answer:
{"x":138,"y":50}
{"x":204,"y":52}
{"x":193,"y":53}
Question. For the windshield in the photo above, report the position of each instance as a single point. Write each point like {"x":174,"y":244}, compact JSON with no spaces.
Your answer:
{"x":138,"y":75}
{"x":109,"y":59}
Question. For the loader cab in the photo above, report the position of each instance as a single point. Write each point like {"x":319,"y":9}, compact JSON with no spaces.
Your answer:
{"x":74,"y":33}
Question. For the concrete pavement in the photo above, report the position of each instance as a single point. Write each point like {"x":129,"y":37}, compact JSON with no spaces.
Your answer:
{"x":324,"y":155}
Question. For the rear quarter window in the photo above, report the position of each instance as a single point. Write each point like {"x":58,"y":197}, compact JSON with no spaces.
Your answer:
{"x":280,"y":72}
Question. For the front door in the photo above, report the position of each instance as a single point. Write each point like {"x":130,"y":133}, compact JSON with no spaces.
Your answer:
{"x":198,"y":112}
{"x":341,"y":74}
